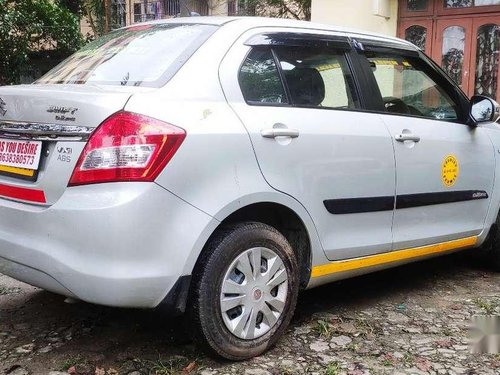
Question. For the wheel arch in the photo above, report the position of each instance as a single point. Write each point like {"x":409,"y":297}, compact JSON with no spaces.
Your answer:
{"x":287,"y":222}
{"x":280,"y":211}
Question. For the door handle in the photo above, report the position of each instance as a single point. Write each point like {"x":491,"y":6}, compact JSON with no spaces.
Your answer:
{"x":407,"y":137}
{"x":279,"y":132}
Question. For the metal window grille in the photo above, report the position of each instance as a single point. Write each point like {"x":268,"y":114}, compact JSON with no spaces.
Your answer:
{"x":119,"y":13}
{"x":148,"y":10}
{"x":246,"y":8}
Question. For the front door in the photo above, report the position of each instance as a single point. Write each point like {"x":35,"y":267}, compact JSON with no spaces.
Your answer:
{"x":299,"y":103}
{"x":444,"y":168}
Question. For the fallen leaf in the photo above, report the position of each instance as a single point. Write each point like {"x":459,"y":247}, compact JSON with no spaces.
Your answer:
{"x":423,"y":364}
{"x":189,"y":368}
{"x":100,"y":371}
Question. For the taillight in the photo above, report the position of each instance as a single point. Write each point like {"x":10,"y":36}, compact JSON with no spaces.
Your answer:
{"x":127,"y":147}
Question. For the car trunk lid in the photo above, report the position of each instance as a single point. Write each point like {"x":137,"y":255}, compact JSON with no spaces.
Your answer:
{"x":43,"y":129}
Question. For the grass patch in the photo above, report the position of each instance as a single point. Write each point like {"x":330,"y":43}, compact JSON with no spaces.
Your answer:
{"x":170,"y":366}
{"x":488,"y":306}
{"x":323,"y":329}
{"x":409,"y":359}
{"x":70,"y":362}
{"x":175,"y":365}
{"x":333,"y":368}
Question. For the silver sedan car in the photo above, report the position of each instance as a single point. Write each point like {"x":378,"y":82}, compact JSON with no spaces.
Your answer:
{"x":218,"y":166}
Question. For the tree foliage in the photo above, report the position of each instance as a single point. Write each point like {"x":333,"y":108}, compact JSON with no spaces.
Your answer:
{"x":93,"y":11}
{"x":28,"y":26}
{"x":298,"y":9}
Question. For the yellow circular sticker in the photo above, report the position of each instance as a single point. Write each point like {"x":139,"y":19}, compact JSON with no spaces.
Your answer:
{"x":450,"y":170}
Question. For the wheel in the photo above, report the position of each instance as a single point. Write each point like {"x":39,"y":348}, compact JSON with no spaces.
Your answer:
{"x":244,"y":291}
{"x":492,"y":246}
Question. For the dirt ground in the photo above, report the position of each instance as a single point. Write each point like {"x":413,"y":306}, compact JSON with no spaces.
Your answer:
{"x":409,"y":320}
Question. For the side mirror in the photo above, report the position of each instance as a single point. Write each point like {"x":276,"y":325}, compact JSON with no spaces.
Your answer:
{"x":484,"y":109}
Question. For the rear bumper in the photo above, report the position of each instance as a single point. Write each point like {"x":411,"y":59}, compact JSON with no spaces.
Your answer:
{"x":122,"y":244}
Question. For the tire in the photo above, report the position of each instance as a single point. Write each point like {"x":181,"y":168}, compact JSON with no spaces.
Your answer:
{"x":243,"y":331}
{"x":492,"y":246}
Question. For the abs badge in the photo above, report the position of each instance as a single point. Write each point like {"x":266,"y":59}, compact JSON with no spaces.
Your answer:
{"x":450,"y":170}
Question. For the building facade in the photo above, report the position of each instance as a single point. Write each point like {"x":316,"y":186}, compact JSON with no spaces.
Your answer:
{"x":379,"y":16}
{"x":463,"y":36}
{"x":146,"y":10}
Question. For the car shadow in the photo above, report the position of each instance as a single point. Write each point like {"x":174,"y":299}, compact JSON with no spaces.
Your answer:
{"x":111,"y":335}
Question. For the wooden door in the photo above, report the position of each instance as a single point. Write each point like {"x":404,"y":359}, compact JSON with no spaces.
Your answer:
{"x":452,"y":49}
{"x":418,"y":31}
{"x":485,"y":57}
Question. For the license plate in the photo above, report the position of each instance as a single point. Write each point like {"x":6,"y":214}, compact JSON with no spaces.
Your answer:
{"x":19,"y":157}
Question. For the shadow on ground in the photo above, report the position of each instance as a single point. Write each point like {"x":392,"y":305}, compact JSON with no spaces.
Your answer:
{"x":63,"y":335}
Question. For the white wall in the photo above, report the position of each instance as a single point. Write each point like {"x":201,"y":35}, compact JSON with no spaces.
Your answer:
{"x":379,"y":16}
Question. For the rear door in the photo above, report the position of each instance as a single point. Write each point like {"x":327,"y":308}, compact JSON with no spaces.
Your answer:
{"x":295,"y":94}
{"x":444,"y":167}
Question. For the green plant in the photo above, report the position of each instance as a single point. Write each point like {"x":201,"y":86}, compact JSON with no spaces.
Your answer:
{"x":170,"y":366}
{"x":408,"y":359}
{"x":93,"y":11}
{"x":333,"y":368}
{"x":298,"y":9}
{"x":70,"y":362}
{"x":161,"y":366}
{"x":30,"y":26}
{"x":488,"y":306}
{"x":323,"y":329}
{"x":387,"y":362}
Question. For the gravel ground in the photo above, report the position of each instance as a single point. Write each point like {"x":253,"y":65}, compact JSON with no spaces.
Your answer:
{"x":409,"y":320}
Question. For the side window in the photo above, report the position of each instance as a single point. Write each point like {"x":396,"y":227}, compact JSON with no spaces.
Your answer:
{"x":407,"y":88}
{"x":259,"y":78}
{"x":317,"y":77}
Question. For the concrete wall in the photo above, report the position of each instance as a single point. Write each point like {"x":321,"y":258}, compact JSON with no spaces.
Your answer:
{"x":379,"y":16}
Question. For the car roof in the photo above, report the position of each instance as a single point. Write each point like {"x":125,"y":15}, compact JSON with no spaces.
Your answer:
{"x":248,"y":23}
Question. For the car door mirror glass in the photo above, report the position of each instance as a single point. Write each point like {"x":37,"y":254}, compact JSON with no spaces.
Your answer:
{"x":484,"y":109}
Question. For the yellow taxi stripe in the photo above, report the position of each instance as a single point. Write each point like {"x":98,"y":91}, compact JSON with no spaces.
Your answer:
{"x":21,"y":171}
{"x":393,"y":256}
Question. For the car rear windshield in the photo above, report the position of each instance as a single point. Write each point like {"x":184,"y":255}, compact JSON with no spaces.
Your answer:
{"x":143,"y":55}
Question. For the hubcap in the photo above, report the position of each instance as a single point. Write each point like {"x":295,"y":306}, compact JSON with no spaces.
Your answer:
{"x":254,"y":292}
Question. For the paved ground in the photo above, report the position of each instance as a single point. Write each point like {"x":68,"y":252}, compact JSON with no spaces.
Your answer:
{"x":410,"y":320}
